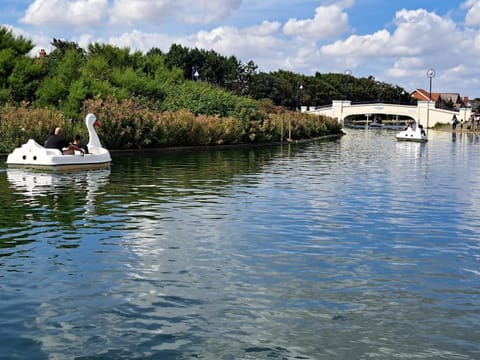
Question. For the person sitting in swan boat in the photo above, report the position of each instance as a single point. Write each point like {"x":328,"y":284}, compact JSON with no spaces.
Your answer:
{"x":77,"y":142}
{"x":56,"y":141}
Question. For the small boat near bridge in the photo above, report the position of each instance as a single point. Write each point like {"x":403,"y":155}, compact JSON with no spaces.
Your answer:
{"x":413,"y":132}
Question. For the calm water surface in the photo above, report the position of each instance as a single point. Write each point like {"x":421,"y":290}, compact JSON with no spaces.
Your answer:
{"x":358,"y":248}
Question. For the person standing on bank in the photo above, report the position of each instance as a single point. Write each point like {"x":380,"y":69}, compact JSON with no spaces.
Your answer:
{"x":56,"y":141}
{"x":454,"y":122}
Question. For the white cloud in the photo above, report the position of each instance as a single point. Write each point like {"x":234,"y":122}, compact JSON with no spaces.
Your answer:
{"x":258,"y":42}
{"x":205,"y":11}
{"x":65,"y":13}
{"x":186,"y":11}
{"x":131,"y":11}
{"x":137,"y":40}
{"x":473,"y":15}
{"x":422,"y":32}
{"x":437,"y":42}
{"x":417,"y":33}
{"x":419,"y":40}
{"x":476,"y":42}
{"x":360,"y":46}
{"x":329,"y":21}
{"x":78,"y":13}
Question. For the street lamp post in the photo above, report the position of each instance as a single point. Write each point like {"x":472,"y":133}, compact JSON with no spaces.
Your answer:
{"x":400,"y":94}
{"x":430,"y":75}
{"x":347,"y":73}
{"x":299,"y":87}
{"x":195,"y":73}
{"x":297,"y":109}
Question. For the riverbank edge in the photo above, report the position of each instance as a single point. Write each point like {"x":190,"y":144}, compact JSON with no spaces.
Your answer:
{"x":220,"y":147}
{"x":228,"y":146}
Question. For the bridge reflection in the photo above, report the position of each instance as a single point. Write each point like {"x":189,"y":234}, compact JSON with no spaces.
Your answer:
{"x":363,"y":124}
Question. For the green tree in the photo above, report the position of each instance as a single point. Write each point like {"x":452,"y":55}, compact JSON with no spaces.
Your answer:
{"x":55,"y":89}
{"x":63,"y":46}
{"x":179,"y":57}
{"x":14,"y":49}
{"x":25,"y":79}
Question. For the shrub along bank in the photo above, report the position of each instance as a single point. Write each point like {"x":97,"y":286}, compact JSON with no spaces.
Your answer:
{"x":129,"y":125}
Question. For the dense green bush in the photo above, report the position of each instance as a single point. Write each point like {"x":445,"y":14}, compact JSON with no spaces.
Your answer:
{"x":18,"y":124}
{"x":127,"y":124}
{"x":203,"y":98}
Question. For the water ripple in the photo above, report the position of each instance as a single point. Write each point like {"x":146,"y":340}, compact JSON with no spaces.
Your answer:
{"x":355,"y":248}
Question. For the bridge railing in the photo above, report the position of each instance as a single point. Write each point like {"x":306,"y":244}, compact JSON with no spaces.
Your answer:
{"x":433,"y":106}
{"x":313,"y":108}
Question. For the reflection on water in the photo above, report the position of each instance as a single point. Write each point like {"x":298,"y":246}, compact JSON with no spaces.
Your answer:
{"x":31,"y":183}
{"x":356,"y":248}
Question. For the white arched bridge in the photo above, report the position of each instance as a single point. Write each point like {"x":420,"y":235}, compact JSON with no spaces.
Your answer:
{"x":424,"y":112}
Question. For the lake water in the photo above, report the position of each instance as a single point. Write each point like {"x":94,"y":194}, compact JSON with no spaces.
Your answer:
{"x":355,"y":248}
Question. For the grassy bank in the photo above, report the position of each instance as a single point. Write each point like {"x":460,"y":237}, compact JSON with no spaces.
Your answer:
{"x":128,"y":125}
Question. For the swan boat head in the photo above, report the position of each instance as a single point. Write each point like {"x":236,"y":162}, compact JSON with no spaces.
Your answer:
{"x":91,"y":121}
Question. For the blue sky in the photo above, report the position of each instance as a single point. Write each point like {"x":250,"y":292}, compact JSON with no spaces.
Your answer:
{"x":394,"y":41}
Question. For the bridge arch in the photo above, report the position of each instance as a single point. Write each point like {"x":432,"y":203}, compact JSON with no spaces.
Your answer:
{"x":424,"y":112}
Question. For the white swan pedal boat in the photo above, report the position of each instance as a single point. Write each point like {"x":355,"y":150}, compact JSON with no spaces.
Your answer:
{"x":33,"y":155}
{"x":414,"y":133}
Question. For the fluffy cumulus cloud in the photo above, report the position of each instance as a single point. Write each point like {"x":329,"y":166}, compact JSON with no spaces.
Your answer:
{"x":424,"y":28}
{"x":438,"y":42}
{"x":414,"y":57}
{"x":65,"y":13}
{"x":128,"y":11}
{"x":406,"y":52}
{"x":328,"y":22}
{"x":324,"y":40}
{"x":360,"y":46}
{"x":401,"y":67}
{"x":138,"y":40}
{"x":417,"y":33}
{"x":258,"y":43}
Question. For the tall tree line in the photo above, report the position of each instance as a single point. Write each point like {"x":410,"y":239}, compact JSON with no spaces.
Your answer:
{"x":69,"y":75}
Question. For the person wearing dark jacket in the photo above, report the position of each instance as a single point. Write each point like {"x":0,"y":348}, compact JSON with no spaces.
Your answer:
{"x":56,"y":141}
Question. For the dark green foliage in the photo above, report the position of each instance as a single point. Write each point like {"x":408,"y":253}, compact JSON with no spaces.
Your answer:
{"x":137,"y":85}
{"x":149,"y":100}
{"x":51,"y":92}
{"x":226,"y":72}
{"x":55,"y":89}
{"x":18,"y":45}
{"x":63,"y":46}
{"x":24,"y":80}
{"x":164,"y":81}
{"x":202,"y":98}
{"x":7,"y":63}
{"x":16,"y":68}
